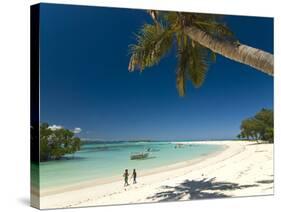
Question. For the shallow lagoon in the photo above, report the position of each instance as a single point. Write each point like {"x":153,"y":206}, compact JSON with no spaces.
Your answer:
{"x":97,"y":160}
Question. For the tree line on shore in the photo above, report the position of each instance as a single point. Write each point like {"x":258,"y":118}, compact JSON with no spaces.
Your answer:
{"x":55,"y":143}
{"x":258,"y":127}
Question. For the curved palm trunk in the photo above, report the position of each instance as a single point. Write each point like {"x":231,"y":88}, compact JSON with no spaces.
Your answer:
{"x":256,"y":58}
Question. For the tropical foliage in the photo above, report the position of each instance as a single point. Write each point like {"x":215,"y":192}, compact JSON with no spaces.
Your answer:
{"x":196,"y":39}
{"x":55,"y":143}
{"x":259,"y":127}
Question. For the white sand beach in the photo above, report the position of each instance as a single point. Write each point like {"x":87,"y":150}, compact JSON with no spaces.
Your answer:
{"x":241,"y":169}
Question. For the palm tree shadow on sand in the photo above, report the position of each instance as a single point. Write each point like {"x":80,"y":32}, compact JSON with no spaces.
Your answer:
{"x":197,"y":189}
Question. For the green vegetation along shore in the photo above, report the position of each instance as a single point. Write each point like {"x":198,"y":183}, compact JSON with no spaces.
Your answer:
{"x":55,"y":143}
{"x":259,"y":127}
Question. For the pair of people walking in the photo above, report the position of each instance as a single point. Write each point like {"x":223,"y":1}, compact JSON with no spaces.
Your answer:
{"x":126,"y":177}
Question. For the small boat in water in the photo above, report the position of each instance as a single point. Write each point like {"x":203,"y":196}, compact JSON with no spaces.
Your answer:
{"x":179,"y":146}
{"x":139,"y":155}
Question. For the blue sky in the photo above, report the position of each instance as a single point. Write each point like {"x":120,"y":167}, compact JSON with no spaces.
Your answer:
{"x":85,"y":82}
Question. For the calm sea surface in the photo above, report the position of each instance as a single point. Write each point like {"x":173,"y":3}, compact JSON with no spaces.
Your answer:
{"x":97,"y":160}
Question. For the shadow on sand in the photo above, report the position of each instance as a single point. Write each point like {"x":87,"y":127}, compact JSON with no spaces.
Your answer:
{"x":197,"y":189}
{"x":266,"y":181}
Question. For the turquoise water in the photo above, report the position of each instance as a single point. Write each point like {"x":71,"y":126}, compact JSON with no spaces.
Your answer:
{"x":106,"y":159}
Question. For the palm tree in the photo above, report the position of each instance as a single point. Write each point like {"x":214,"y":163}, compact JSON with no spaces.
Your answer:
{"x":197,"y":38}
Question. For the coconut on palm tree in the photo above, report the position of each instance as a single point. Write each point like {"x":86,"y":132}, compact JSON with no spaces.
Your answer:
{"x":197,"y":38}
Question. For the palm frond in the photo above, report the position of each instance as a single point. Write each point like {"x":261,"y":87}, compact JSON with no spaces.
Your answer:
{"x":181,"y":74}
{"x":182,"y":56}
{"x":153,"y":42}
{"x":216,"y":29}
{"x":213,"y":56}
{"x":197,"y":64}
{"x":212,"y":24}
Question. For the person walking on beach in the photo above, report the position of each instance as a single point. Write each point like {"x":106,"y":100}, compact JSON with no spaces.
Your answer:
{"x":134,"y":176}
{"x":126,"y":175}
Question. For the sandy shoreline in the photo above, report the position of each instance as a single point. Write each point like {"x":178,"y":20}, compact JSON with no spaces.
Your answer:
{"x":241,"y":169}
